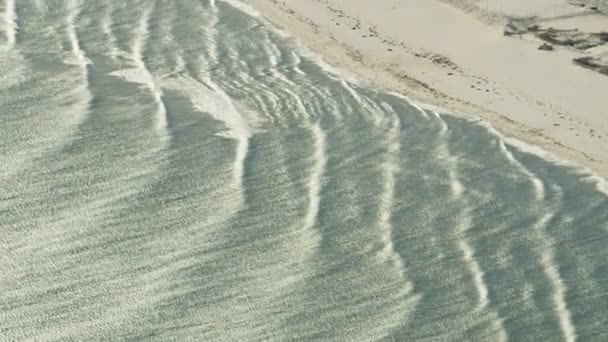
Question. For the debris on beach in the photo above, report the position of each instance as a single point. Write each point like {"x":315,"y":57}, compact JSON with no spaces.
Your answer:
{"x":573,"y":38}
{"x":592,"y":63}
{"x":569,"y":38}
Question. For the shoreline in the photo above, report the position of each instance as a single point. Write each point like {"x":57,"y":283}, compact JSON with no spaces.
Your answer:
{"x":539,"y":97}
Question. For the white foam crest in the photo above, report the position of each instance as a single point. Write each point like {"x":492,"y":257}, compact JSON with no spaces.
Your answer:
{"x":180,"y":64}
{"x":272,"y":51}
{"x":298,"y":52}
{"x":297,"y":61}
{"x":467,"y":252}
{"x":274,"y":57}
{"x":323,"y":95}
{"x":539,"y":187}
{"x":478,"y":281}
{"x":298,"y":103}
{"x":601,"y":184}
{"x":41,"y":6}
{"x":13,"y":69}
{"x":141,"y":34}
{"x":468,"y":256}
{"x":257,"y":94}
{"x":300,"y":49}
{"x":551,"y":270}
{"x":456,"y":186}
{"x":265,"y":99}
{"x":243,"y":7}
{"x":10,"y":22}
{"x":442,"y":123}
{"x":559,"y":289}
{"x":210,"y":17}
{"x":358,"y":100}
{"x":585,"y":174}
{"x":216,"y":103}
{"x":211,"y":99}
{"x":412,"y":103}
{"x":437,"y":109}
{"x":320,"y":95}
{"x":238,"y":126}
{"x":106,"y":29}
{"x":290,"y":89}
{"x":212,"y":3}
{"x":78,"y":58}
{"x":316,"y":177}
{"x":140,"y":74}
{"x":79,"y":55}
{"x":391,"y":169}
{"x":422,"y":111}
{"x":355,"y":95}
{"x":334,"y":72}
{"x":242,"y":150}
{"x":547,"y":257}
{"x":162,"y":121}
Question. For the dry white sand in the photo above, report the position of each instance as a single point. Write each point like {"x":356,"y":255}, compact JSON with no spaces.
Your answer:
{"x":453,"y":54}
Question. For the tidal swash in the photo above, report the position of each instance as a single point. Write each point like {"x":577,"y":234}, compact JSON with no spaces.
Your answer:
{"x":180,"y":170}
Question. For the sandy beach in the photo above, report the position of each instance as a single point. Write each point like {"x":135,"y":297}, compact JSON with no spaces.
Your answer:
{"x":455,"y":54}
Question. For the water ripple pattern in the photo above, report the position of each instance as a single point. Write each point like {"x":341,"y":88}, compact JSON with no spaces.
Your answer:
{"x":181,"y":170}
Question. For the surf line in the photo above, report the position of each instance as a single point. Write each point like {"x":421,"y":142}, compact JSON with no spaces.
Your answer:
{"x":141,"y":35}
{"x":10,"y":17}
{"x":73,"y":12}
{"x":550,"y":269}
{"x":391,"y":124}
{"x":316,"y":177}
{"x":468,"y":252}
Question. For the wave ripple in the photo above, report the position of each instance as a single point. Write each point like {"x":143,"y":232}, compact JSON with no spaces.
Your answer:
{"x":188,"y":172}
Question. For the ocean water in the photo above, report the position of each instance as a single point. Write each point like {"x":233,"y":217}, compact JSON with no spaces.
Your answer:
{"x":180,"y":170}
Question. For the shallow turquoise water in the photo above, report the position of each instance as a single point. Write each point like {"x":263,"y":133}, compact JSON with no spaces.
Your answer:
{"x":178,"y":170}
